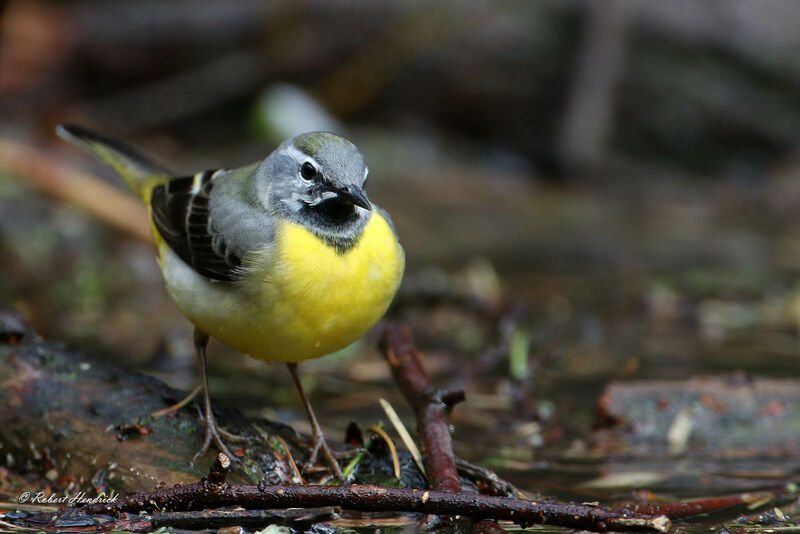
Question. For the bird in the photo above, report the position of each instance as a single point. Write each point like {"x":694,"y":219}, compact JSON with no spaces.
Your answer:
{"x":284,"y":260}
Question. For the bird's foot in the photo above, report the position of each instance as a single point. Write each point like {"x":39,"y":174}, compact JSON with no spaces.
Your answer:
{"x":318,"y":445}
{"x":216,"y":434}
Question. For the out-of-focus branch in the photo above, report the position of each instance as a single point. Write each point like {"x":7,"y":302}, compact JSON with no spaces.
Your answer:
{"x":51,"y":177}
{"x":590,"y":104}
{"x":705,"y":505}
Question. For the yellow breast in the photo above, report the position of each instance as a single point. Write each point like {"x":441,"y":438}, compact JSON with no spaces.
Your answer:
{"x":301,"y":299}
{"x":324,"y":300}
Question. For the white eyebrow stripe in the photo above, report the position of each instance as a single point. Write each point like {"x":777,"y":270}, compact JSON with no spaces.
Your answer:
{"x":301,"y":156}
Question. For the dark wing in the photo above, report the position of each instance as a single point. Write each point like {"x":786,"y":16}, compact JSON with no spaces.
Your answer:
{"x":182,"y":215}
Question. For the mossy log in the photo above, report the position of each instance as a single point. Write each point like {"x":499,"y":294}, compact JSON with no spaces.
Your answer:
{"x":76,"y":420}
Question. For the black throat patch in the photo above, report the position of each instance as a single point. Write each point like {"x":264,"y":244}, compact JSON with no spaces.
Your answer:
{"x":338,"y":224}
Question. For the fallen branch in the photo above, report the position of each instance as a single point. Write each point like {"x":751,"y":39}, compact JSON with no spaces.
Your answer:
{"x":702,"y":506}
{"x":488,"y":481}
{"x":428,"y":403}
{"x":432,"y":406}
{"x":213,"y":493}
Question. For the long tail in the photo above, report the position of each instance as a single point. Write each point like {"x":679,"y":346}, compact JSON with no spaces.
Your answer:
{"x":140,"y":173}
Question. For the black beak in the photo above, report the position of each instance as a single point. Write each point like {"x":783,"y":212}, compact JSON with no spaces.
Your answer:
{"x":354,"y":195}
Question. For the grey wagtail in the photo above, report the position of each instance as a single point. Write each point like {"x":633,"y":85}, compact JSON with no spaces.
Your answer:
{"x":284,"y":260}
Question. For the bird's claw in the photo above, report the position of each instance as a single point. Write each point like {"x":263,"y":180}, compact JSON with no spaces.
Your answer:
{"x":215,"y":433}
{"x":318,"y":445}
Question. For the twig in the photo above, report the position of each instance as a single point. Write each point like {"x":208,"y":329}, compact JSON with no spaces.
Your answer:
{"x":219,"y":471}
{"x":296,"y":475}
{"x":214,"y":492}
{"x":700,"y":506}
{"x":369,"y":498}
{"x":432,"y":407}
{"x":487,"y":480}
{"x":432,"y":424}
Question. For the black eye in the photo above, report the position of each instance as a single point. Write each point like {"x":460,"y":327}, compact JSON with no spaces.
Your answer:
{"x":307,"y":171}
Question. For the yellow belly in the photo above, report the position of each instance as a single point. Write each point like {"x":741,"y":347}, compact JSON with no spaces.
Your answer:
{"x":304,"y":300}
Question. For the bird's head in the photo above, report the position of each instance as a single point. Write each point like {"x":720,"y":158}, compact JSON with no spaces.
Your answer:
{"x":317,"y":180}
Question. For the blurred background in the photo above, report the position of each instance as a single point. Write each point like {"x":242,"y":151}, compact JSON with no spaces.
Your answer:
{"x":586,"y":191}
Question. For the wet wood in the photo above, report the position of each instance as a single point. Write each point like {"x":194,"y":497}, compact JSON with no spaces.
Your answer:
{"x":212,"y":492}
{"x":701,"y":506}
{"x":78,"y":420}
{"x":432,"y":407}
{"x":428,"y":403}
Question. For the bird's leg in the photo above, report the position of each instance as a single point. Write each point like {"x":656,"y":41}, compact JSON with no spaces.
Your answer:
{"x":318,"y":443}
{"x":212,"y":430}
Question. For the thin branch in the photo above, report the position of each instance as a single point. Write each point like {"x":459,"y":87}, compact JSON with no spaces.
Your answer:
{"x":219,"y":470}
{"x":432,"y":407}
{"x":369,"y":498}
{"x":214,"y":492}
{"x":701,"y":506}
{"x":487,"y":480}
{"x":432,"y":425}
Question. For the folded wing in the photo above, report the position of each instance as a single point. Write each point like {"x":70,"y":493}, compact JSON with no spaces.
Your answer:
{"x":182,"y":214}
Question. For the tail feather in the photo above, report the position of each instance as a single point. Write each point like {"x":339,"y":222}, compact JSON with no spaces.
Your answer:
{"x":139,"y":172}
